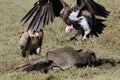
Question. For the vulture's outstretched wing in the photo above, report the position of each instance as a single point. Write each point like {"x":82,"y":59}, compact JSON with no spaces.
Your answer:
{"x":83,"y":5}
{"x":97,"y":8}
{"x":43,"y":12}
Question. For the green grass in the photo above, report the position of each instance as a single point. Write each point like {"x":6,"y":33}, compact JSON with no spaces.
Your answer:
{"x":106,"y":46}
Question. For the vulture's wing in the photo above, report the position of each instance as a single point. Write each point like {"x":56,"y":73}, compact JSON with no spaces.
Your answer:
{"x":97,"y":8}
{"x":43,"y":12}
{"x":94,"y":9}
{"x":84,"y":5}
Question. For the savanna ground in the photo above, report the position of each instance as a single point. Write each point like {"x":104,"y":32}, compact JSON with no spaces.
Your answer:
{"x":107,"y":45}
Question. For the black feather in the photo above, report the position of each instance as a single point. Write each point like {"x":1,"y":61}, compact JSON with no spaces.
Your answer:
{"x":98,"y":28}
{"x":43,"y":17}
{"x":92,"y":14}
{"x":29,"y":14}
{"x":43,"y":13}
{"x":97,"y":8}
{"x":34,"y":20}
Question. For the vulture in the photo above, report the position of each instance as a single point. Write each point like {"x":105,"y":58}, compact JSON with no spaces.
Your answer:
{"x":44,"y":12}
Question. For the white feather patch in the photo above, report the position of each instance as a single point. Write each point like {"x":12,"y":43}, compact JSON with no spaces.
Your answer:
{"x":84,"y":23}
{"x":38,"y":50}
{"x":73,"y":15}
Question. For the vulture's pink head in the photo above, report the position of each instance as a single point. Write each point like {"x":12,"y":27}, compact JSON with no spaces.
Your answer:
{"x":69,"y":28}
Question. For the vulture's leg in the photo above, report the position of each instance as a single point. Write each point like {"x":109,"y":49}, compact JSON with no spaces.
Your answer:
{"x":86,"y":33}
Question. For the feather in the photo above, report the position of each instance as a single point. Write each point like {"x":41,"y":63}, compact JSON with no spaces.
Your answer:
{"x":43,"y":12}
{"x":47,"y":16}
{"x":97,"y":8}
{"x":29,"y":14}
{"x":52,"y":14}
{"x":41,"y":22}
{"x":92,"y":14}
{"x":34,"y":20}
{"x":98,"y":28}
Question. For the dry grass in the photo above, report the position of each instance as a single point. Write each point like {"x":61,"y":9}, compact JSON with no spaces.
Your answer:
{"x":105,"y":46}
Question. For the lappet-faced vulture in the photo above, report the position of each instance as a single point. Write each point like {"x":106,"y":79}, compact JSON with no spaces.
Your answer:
{"x":44,"y":11}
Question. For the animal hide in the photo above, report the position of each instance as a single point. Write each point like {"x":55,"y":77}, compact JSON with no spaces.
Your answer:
{"x":60,"y":59}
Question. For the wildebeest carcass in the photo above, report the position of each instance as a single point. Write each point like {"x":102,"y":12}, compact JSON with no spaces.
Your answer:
{"x":60,"y":59}
{"x":31,"y":42}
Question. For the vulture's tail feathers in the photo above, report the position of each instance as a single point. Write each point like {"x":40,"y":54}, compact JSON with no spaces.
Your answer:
{"x":98,"y":28}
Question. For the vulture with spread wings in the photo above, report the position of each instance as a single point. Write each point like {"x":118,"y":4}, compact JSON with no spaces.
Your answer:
{"x":44,"y":11}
